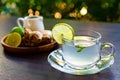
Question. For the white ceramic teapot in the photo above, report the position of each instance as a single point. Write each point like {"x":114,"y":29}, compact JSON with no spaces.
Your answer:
{"x":35,"y":23}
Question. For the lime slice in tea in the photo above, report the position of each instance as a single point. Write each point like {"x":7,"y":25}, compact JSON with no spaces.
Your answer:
{"x":78,"y":38}
{"x":13,"y":39}
{"x":62,"y":30}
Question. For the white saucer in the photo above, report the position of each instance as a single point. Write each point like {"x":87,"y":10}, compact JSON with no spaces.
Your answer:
{"x":56,"y":61}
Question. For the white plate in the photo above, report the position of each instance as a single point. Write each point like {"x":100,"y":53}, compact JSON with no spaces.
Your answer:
{"x":56,"y":61}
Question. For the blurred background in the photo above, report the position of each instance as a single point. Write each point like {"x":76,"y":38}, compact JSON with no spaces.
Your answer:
{"x":89,"y":10}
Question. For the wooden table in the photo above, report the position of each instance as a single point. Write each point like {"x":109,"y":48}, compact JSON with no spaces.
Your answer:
{"x":36,"y":67}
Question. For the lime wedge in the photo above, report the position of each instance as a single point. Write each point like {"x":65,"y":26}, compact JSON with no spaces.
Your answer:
{"x":62,"y":30}
{"x":13,"y":39}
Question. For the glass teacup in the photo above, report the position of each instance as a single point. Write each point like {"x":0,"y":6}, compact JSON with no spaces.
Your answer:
{"x":85,"y":50}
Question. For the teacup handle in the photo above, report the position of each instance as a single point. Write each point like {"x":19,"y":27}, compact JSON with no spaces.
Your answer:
{"x":107,"y":49}
{"x":18,"y":21}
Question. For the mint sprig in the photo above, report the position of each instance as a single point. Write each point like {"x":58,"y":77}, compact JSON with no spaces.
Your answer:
{"x":80,"y":48}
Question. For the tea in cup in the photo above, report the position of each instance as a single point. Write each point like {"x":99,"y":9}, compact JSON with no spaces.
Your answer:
{"x":85,"y":50}
{"x":35,"y":23}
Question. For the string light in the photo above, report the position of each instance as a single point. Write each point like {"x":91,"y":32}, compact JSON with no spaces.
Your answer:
{"x":37,"y":13}
{"x":30,"y":12}
{"x":58,"y":15}
{"x":83,"y":11}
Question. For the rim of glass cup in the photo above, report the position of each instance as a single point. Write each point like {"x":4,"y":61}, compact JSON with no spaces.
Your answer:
{"x":98,"y":34}
{"x":97,"y":38}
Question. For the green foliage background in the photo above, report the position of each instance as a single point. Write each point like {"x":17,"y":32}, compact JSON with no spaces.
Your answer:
{"x":98,"y":10}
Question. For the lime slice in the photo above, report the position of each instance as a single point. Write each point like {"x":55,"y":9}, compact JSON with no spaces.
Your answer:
{"x":18,"y":29}
{"x":87,"y":38}
{"x":13,"y":39}
{"x":62,"y":30}
{"x":78,"y":38}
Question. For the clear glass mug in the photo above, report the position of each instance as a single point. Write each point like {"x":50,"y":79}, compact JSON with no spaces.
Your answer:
{"x":34,"y":23}
{"x":85,"y":50}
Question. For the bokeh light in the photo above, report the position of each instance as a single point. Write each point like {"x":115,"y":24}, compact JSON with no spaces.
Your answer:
{"x":58,"y":15}
{"x":83,"y":11}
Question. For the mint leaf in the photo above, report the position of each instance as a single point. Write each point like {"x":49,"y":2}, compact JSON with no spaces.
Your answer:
{"x":80,"y":48}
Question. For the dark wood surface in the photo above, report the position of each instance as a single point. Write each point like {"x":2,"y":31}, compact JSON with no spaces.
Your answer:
{"x":36,"y":66}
